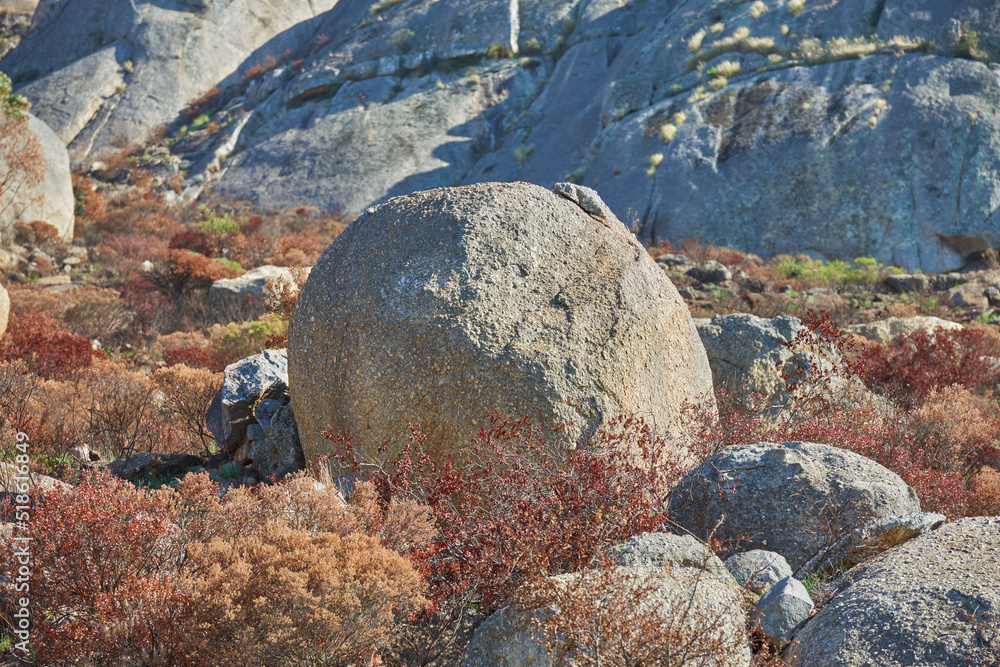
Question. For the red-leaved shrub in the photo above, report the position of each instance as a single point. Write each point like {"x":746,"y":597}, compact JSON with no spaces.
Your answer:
{"x":923,"y":361}
{"x":46,"y":345}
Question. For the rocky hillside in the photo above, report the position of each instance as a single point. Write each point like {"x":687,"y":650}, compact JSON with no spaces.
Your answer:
{"x":856,"y":128}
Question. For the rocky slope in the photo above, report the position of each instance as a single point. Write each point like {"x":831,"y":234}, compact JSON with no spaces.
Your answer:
{"x":857,"y":128}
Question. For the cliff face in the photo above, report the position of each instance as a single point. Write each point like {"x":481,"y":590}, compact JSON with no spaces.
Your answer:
{"x":856,"y":128}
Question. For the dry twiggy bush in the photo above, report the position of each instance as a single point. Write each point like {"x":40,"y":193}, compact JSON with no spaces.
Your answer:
{"x":124,"y":415}
{"x":188,"y":391}
{"x":625,"y":617}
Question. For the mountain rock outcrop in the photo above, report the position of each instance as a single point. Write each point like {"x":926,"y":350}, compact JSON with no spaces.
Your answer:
{"x":504,"y":297}
{"x":856,"y":128}
{"x":105,"y":74}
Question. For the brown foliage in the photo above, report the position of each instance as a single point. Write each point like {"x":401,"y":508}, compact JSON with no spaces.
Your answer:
{"x":282,"y":596}
{"x":124,"y":415}
{"x":188,"y":391}
{"x":985,"y":488}
{"x":953,"y":425}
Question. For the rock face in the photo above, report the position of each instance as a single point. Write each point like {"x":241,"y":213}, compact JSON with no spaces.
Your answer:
{"x":932,"y":601}
{"x":132,"y":67}
{"x":666,"y":550}
{"x":246,"y":382}
{"x":51,"y":200}
{"x":750,"y":351}
{"x":4,"y":310}
{"x":697,"y":600}
{"x":807,"y":120}
{"x":781,"y":495}
{"x":275,"y":450}
{"x":497,"y":297}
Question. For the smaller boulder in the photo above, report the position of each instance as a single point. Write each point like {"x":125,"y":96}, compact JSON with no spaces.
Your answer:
{"x":905,"y":282}
{"x":243,"y":298}
{"x":890,"y":330}
{"x":4,"y":310}
{"x":666,"y":550}
{"x":278,"y":451}
{"x":971,"y":295}
{"x":782,"y":611}
{"x":710,"y":271}
{"x":246,"y":382}
{"x":758,"y":569}
{"x":904,"y":528}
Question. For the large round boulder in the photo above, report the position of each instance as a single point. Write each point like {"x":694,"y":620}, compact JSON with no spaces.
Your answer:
{"x":811,"y":503}
{"x":931,"y":601}
{"x":439,"y":307}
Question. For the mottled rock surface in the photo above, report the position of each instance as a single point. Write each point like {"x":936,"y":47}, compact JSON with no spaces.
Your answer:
{"x":932,"y":601}
{"x":496,"y":297}
{"x":782,"y":610}
{"x":758,"y":569}
{"x":781,"y":496}
{"x":694,"y":606}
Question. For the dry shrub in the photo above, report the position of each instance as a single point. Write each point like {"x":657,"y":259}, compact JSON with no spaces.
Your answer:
{"x":620,"y":618}
{"x":282,"y":596}
{"x":169,"y":577}
{"x":954,"y":425}
{"x":30,"y":298}
{"x":124,"y":415}
{"x":176,"y":273}
{"x":90,"y":203}
{"x":98,"y":314}
{"x":235,"y":341}
{"x":188,"y":391}
{"x":282,"y":294}
{"x":17,"y":386}
{"x":510,"y":509}
{"x":101,"y":581}
{"x":985,"y":488}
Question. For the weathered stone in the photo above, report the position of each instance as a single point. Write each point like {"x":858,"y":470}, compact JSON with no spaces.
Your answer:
{"x":278,"y":451}
{"x":135,"y":66}
{"x":758,"y":569}
{"x":902,"y":283}
{"x":782,"y":610}
{"x":4,"y":310}
{"x":497,"y":297}
{"x":51,"y":200}
{"x":888,"y":331}
{"x":934,"y":600}
{"x":907,"y":527}
{"x":243,"y":298}
{"x":694,"y":606}
{"x":653,"y":550}
{"x":970,"y":295}
{"x":11,"y":482}
{"x":263,"y":375}
{"x":809,"y":502}
{"x":710,"y":272}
